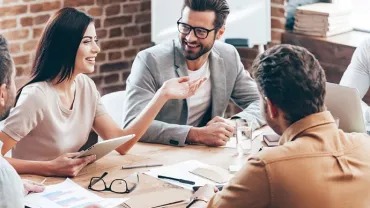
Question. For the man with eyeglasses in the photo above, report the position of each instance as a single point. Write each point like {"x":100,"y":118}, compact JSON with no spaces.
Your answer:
{"x":196,"y":54}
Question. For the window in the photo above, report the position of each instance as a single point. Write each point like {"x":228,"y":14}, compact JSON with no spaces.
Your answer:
{"x":360,"y":13}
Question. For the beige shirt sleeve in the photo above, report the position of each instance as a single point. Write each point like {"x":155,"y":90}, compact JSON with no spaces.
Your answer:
{"x":100,"y":109}
{"x":28,"y":112}
{"x":249,"y":188}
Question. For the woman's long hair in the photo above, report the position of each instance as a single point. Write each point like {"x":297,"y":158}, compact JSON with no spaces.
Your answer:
{"x":57,"y":49}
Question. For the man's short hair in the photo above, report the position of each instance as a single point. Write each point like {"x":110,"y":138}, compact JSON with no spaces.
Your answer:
{"x":220,"y":7}
{"x":292,"y":79}
{"x":6,"y":63}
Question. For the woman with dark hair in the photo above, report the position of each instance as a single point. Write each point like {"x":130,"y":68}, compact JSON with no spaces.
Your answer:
{"x":56,"y":110}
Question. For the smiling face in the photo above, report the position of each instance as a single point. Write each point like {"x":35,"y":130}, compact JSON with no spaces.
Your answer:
{"x":87,"y":51}
{"x":192,"y":46}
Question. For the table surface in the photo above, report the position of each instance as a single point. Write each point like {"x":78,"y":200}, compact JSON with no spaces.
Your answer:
{"x":144,"y":153}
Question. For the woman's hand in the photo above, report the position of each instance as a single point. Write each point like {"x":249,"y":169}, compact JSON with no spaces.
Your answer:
{"x":181,"y":88}
{"x":67,"y":165}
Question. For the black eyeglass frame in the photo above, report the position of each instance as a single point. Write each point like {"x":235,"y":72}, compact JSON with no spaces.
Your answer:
{"x":194,"y":28}
{"x":110,"y":186}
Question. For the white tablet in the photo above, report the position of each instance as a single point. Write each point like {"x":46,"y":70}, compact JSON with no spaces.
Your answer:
{"x":102,"y":148}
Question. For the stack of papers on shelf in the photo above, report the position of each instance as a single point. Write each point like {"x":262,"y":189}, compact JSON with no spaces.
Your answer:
{"x":191,"y":170}
{"x":322,"y":19}
{"x":68,"y":194}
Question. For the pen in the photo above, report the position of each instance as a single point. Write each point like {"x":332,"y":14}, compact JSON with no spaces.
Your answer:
{"x":43,"y":181}
{"x":141,"y":166}
{"x":177,"y":179}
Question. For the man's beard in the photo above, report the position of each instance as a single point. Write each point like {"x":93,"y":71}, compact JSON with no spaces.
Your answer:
{"x":272,"y":124}
{"x":5,"y":114}
{"x":189,"y":55}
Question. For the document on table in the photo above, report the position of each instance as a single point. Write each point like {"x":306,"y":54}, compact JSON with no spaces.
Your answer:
{"x":68,"y":194}
{"x":182,"y":171}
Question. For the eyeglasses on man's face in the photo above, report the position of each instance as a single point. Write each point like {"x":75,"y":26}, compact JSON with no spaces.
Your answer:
{"x":119,"y":186}
{"x":199,"y":32}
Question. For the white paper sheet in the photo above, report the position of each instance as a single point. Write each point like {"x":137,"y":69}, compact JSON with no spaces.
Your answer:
{"x":68,"y":194}
{"x":181,"y":171}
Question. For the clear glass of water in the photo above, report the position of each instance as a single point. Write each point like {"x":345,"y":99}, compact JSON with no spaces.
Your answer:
{"x":244,"y":138}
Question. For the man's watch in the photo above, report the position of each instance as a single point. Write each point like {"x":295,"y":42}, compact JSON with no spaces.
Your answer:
{"x":196,"y":199}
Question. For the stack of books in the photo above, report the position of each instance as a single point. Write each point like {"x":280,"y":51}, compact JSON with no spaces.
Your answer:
{"x":322,"y":19}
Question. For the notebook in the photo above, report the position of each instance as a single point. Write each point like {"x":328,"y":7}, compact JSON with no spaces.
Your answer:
{"x":271,"y":139}
{"x":158,"y":198}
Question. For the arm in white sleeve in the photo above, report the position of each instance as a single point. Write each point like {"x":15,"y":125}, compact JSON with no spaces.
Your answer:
{"x":357,"y":74}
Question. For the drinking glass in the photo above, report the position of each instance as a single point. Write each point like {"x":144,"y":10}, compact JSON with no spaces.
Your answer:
{"x":244,"y":139}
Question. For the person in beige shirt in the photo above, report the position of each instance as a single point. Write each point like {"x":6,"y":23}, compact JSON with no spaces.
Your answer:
{"x":316,"y":164}
{"x":57,"y":109}
{"x":12,"y":187}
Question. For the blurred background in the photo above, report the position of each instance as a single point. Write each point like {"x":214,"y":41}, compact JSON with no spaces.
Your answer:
{"x":124,"y":28}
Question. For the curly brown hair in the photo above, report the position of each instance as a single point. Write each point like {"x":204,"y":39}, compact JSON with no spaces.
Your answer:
{"x":292,"y":79}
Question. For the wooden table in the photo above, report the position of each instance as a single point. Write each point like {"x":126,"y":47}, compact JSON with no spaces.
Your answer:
{"x":143,"y":153}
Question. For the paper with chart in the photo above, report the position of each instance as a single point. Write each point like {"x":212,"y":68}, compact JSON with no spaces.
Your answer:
{"x":68,"y":194}
{"x":182,"y":171}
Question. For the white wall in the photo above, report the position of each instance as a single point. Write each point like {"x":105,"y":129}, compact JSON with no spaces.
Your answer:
{"x":249,"y":19}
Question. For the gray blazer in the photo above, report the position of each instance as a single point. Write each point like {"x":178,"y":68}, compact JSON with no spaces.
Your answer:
{"x":157,"y":64}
